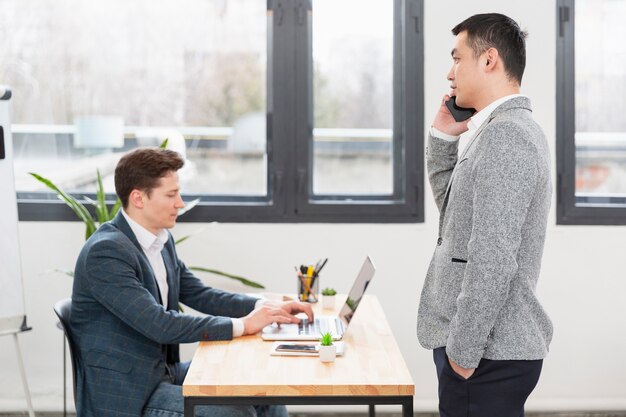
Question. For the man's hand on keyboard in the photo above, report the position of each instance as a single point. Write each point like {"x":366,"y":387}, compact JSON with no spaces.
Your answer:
{"x":264,"y":315}
{"x":274,"y":312}
{"x":294,"y":307}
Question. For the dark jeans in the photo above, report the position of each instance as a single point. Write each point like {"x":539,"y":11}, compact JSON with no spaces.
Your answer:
{"x":496,"y":389}
{"x":167,"y":401}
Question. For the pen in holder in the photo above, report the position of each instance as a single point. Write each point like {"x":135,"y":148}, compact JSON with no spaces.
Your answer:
{"x":308,"y":287}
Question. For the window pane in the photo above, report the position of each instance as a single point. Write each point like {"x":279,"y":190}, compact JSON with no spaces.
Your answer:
{"x":353,"y":86}
{"x":600,"y":92}
{"x":191,"y":71}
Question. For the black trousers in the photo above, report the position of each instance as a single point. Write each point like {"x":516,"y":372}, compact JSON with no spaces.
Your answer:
{"x":496,"y":389}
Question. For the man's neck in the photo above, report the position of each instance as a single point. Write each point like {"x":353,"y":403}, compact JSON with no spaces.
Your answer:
{"x":135,"y":216}
{"x":494,"y":94}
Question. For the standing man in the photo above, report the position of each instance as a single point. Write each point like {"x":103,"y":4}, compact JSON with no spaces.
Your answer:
{"x":478,"y":309}
{"x":128,"y":283}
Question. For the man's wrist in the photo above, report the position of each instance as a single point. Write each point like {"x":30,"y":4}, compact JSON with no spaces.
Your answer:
{"x":436,"y":133}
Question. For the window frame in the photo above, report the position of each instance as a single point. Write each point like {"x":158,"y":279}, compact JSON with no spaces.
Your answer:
{"x":289,"y":133}
{"x":568,"y":212}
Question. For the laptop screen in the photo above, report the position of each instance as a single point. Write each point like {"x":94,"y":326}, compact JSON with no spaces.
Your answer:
{"x":358,"y":290}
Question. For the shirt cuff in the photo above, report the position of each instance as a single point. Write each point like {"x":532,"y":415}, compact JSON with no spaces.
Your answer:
{"x":436,"y":133}
{"x":238,"y":327}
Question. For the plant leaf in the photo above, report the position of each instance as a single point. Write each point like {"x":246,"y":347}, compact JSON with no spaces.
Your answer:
{"x":188,"y":206}
{"x":65,"y":271}
{"x":243,"y":280}
{"x":77,"y":207}
{"x":101,"y":206}
{"x":163,"y":144}
{"x":182,"y":239}
{"x":115,"y":208}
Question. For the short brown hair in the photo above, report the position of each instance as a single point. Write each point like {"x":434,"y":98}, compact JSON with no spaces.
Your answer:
{"x":142,"y":169}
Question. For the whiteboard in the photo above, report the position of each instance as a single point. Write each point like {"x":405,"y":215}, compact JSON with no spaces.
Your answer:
{"x":12,"y":315}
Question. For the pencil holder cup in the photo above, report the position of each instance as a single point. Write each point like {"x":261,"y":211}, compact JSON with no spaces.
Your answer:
{"x":308,"y":288}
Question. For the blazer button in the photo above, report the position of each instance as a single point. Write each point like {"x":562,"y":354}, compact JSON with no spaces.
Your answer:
{"x":439,"y":241}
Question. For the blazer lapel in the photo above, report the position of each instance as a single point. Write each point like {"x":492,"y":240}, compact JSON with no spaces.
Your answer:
{"x":469,"y":145}
{"x":172,"y":293}
{"x":122,"y":225}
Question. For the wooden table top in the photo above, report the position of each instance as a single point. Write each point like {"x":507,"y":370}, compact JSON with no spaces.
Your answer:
{"x":372,"y":364}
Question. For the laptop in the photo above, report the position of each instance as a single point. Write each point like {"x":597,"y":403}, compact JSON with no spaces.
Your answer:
{"x":336,"y":325}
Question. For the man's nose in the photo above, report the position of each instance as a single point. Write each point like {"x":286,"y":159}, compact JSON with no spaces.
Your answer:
{"x":450,"y":75}
{"x":180,"y":202}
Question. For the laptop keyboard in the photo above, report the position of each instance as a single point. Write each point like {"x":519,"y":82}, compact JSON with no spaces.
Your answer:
{"x":319,"y":326}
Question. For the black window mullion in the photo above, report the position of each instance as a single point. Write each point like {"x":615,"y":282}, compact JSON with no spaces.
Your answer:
{"x":282,"y":83}
{"x":412,"y":84}
{"x":303,"y":106}
{"x":566,"y":157}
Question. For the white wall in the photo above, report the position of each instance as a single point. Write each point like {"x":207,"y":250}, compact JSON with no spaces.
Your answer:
{"x":582,"y":283}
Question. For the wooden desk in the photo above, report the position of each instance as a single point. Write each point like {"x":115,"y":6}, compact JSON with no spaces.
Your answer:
{"x":241,"y":371}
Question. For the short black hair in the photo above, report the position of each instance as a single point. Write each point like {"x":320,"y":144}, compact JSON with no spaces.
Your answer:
{"x":142,"y":169}
{"x":494,"y":30}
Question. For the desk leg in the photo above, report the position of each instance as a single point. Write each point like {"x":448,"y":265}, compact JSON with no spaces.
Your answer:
{"x":407,"y":407}
{"x":372,"y":410}
{"x":189,"y":406}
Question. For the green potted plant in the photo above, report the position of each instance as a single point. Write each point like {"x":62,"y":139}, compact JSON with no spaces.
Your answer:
{"x":328,"y":351}
{"x":328,"y":297}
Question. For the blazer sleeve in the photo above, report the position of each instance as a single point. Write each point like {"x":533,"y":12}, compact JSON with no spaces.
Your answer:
{"x":505,"y":179}
{"x":441,"y":157}
{"x":114,"y":281}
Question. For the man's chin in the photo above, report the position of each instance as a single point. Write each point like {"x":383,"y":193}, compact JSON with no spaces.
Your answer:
{"x":460,"y":102}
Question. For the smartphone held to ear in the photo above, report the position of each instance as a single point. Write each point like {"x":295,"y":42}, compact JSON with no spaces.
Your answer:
{"x":459,"y":113}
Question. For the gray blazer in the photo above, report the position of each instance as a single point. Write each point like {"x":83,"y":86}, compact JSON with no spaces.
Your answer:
{"x":479,"y":297}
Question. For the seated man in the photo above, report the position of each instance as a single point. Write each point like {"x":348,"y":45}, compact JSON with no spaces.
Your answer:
{"x":127,"y":285}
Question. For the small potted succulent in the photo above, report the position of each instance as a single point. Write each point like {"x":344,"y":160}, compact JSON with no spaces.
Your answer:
{"x":328,"y":297}
{"x":328,"y":351}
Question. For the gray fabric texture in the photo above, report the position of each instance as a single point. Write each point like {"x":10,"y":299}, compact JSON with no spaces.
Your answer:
{"x":479,"y":298}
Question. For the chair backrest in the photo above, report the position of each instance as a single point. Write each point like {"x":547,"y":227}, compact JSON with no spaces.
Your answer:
{"x":63,"y":309}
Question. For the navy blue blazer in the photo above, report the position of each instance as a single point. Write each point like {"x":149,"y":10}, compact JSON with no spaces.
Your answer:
{"x":123,"y":333}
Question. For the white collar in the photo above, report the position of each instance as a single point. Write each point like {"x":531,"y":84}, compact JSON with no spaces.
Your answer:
{"x":479,"y":118}
{"x":146,"y":238}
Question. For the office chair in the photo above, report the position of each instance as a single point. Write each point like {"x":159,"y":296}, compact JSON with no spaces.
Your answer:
{"x":62,"y":309}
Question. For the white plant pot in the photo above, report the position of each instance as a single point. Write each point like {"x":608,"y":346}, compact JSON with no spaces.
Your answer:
{"x":328,"y":353}
{"x":328,"y":301}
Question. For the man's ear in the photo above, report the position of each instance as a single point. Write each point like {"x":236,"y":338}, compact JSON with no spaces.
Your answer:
{"x":136,"y":198}
{"x":491,"y":58}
